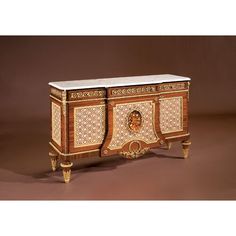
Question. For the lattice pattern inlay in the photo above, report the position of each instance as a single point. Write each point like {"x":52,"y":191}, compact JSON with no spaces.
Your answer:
{"x":89,"y":125}
{"x":56,"y":123}
{"x":171,"y":114}
{"x":121,"y":132}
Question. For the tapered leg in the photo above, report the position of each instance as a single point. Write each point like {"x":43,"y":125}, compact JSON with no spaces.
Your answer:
{"x":54,"y":157}
{"x":185,"y":145}
{"x":66,"y":169}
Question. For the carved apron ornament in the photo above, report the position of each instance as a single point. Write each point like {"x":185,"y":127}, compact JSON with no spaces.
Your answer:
{"x":134,"y":125}
{"x":135,"y":150}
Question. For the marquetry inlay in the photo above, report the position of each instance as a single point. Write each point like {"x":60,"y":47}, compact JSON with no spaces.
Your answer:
{"x":134,"y":121}
{"x":56,"y":123}
{"x":89,"y":125}
{"x":133,"y":90}
{"x":171,"y":86}
{"x":86,"y":94}
{"x":122,"y":133}
{"x":171,"y":114}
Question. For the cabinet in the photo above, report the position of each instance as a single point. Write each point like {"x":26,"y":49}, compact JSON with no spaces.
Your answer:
{"x":125,"y":116}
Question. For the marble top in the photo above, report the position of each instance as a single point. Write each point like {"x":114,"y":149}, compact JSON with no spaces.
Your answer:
{"x":117,"y":81}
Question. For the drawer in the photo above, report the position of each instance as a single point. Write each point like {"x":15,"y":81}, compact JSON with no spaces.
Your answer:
{"x":173,"y":86}
{"x":86,"y":94}
{"x":130,"y":91}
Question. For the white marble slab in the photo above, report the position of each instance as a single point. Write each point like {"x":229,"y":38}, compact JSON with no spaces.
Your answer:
{"x":117,"y":81}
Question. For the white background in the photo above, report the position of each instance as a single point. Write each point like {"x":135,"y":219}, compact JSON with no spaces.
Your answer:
{"x":102,"y":17}
{"x":123,"y":17}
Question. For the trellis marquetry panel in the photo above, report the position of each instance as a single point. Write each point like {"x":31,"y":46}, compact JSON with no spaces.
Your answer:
{"x":171,"y":114}
{"x":89,"y":125}
{"x":56,"y":123}
{"x":122,"y":133}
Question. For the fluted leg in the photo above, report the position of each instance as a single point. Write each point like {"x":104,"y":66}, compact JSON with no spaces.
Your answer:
{"x":185,"y":145}
{"x":54,"y":157}
{"x":66,"y":169}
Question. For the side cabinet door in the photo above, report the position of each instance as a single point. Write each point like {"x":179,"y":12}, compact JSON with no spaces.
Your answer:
{"x":174,"y":114}
{"x":87,"y":120}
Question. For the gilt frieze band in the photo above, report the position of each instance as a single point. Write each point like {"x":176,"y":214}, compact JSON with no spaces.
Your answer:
{"x":172,"y":86}
{"x":86,"y":94}
{"x":127,"y":91}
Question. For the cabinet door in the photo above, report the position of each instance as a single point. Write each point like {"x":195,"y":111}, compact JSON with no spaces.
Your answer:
{"x":86,"y":127}
{"x":133,"y":126}
{"x":174,"y":114}
{"x":87,"y":120}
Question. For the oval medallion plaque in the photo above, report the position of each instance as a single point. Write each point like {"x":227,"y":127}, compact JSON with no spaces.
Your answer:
{"x":135,"y":121}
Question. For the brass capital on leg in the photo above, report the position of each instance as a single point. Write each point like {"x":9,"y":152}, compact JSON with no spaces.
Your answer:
{"x":185,"y":145}
{"x":66,"y":169}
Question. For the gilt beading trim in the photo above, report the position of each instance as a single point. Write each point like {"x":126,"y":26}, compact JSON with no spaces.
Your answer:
{"x":64,"y":102}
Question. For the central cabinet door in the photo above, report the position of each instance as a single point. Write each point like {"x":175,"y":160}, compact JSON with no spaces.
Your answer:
{"x":133,"y":122}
